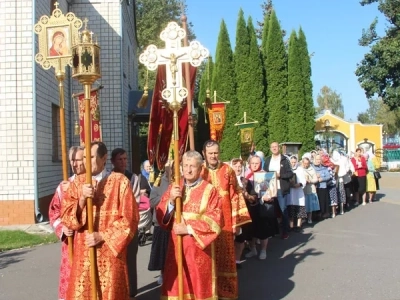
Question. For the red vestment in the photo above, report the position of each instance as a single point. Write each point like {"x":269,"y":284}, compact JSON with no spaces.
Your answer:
{"x":201,"y":210}
{"x":55,"y":222}
{"x":235,"y":214}
{"x":116,"y":218}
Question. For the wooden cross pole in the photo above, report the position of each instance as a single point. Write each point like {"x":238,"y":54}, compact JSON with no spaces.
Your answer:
{"x":173,"y":56}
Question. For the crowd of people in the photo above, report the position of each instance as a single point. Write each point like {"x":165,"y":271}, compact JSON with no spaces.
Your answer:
{"x":222,"y":212}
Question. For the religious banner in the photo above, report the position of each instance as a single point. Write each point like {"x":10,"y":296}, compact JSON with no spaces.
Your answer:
{"x":94,"y":116}
{"x":246,"y":139}
{"x":161,"y":121}
{"x":216,"y":115}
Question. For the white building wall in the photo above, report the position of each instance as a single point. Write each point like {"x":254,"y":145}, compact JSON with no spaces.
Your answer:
{"x":119,"y":70}
{"x":16,"y":101}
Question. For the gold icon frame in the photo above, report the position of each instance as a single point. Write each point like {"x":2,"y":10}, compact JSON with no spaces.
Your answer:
{"x":55,"y":27}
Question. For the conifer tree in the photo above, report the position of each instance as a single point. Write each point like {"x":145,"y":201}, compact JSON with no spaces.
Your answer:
{"x":254,"y":103}
{"x":296,"y":96}
{"x":309,"y":126}
{"x":224,"y":83}
{"x":275,"y":64}
{"x":203,"y":126}
{"x":241,"y":55}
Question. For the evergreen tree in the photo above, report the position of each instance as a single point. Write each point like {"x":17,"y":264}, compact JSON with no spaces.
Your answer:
{"x":264,"y":38}
{"x":276,"y":74}
{"x":223,"y":81}
{"x":296,"y":100}
{"x":241,"y":55}
{"x":254,"y":102}
{"x":309,"y":126}
{"x":203,"y":126}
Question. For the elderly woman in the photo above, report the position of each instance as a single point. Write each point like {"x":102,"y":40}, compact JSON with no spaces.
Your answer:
{"x":322,"y":188}
{"x":250,"y":197}
{"x":310,"y":190}
{"x":263,"y":227}
{"x":296,"y":199}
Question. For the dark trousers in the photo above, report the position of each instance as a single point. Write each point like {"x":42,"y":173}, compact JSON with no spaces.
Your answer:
{"x":324,"y":202}
{"x":131,"y":262}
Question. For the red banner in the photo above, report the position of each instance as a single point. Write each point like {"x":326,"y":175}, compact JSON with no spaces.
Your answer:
{"x":94,"y":117}
{"x":161,"y":121}
{"x":216,"y":115}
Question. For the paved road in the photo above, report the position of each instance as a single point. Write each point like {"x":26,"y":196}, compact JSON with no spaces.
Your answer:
{"x":354,"y":256}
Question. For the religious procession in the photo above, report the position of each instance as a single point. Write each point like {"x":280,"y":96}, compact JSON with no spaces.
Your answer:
{"x":208,"y":196}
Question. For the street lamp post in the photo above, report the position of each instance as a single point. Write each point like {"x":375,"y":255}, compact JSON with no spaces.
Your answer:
{"x":327,"y":125}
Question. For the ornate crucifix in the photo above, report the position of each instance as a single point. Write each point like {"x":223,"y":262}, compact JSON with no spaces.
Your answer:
{"x":173,"y":56}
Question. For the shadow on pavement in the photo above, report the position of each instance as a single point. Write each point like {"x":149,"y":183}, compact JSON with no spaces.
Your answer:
{"x":270,"y":279}
{"x":11,"y":257}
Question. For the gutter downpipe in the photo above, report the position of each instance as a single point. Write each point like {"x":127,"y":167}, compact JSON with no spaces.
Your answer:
{"x":38,"y":214}
{"x":122,"y":74}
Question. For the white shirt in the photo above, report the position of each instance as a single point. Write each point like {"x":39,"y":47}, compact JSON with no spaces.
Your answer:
{"x":275,"y":165}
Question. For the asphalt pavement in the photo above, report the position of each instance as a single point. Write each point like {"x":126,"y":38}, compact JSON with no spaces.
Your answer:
{"x":353,"y":256}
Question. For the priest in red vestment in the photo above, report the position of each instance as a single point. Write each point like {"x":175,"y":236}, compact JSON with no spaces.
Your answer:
{"x":75,"y":156}
{"x":115,"y":216}
{"x":235,"y":214}
{"x":200,"y":226}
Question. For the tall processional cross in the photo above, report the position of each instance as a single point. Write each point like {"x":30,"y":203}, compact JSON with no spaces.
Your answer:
{"x":173,"y":56}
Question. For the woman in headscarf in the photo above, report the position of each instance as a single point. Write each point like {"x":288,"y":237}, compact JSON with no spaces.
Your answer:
{"x":331,"y":184}
{"x":250,"y":197}
{"x":322,"y":189}
{"x":371,"y":184}
{"x":310,"y":190}
{"x":296,"y":200}
{"x":263,"y":227}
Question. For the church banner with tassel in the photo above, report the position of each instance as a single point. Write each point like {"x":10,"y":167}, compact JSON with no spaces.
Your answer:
{"x":246,"y":139}
{"x":94,"y":116}
{"x":216,"y":115}
{"x":161,"y":121}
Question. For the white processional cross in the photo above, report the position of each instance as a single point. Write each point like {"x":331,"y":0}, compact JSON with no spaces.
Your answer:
{"x":173,"y":56}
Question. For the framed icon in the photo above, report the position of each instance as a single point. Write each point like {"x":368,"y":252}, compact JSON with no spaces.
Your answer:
{"x":55,"y":38}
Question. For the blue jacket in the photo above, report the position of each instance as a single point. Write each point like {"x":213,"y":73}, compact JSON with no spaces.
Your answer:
{"x":324,"y":174}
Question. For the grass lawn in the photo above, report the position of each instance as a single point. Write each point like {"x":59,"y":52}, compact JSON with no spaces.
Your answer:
{"x":15,"y":239}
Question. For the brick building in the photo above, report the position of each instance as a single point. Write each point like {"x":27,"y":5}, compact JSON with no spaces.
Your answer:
{"x":30,"y":161}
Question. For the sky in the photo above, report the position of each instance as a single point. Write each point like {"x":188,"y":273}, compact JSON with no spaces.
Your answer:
{"x":332,"y":28}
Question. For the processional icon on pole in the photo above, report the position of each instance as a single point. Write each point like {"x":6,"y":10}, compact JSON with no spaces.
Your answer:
{"x":174,"y":94}
{"x":62,"y":44}
{"x":55,"y":35}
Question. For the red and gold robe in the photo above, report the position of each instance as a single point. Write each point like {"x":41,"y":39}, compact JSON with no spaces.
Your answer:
{"x":235,"y":214}
{"x":55,"y":222}
{"x":201,"y":210}
{"x":116,"y":218}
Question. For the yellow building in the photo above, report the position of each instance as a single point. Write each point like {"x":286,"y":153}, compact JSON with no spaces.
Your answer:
{"x":334,"y":132}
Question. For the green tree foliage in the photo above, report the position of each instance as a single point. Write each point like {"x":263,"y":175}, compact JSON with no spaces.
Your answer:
{"x":267,"y":8}
{"x":379,"y":71}
{"x":253,"y":102}
{"x":223,"y":81}
{"x":309,"y":126}
{"x":379,"y":113}
{"x":275,"y":64}
{"x":330,"y":99}
{"x":151,"y":18}
{"x":203,"y":126}
{"x":241,"y":59}
{"x":296,"y":99}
